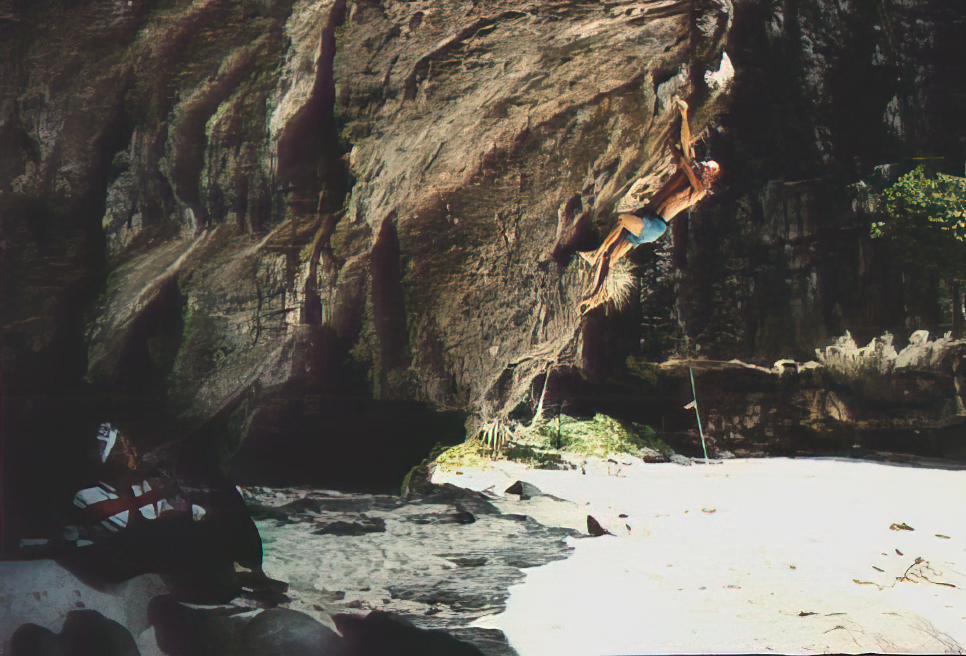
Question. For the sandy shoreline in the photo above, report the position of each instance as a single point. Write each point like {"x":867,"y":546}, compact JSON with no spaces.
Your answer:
{"x":742,"y":556}
{"x":441,"y":561}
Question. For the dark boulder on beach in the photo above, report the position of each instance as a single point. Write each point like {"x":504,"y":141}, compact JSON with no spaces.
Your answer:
{"x":34,"y":640}
{"x":286,"y":632}
{"x":85,"y":633}
{"x":382,"y":634}
{"x":186,"y":631}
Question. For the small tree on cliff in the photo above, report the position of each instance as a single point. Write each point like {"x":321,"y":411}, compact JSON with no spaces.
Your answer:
{"x":925,"y":217}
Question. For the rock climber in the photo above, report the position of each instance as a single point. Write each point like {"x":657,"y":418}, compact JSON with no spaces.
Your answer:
{"x":688,"y":185}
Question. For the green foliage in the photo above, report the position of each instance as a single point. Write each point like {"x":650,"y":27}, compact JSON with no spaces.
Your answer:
{"x":926,"y":219}
{"x":534,"y":457}
{"x":471,"y":453}
{"x":649,"y":438}
{"x":600,"y":436}
{"x":542,"y":445}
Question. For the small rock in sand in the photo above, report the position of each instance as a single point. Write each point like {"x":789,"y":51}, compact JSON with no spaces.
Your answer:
{"x":362,"y":527}
{"x":524,"y":490}
{"x":595,"y":529}
{"x":463,"y":516}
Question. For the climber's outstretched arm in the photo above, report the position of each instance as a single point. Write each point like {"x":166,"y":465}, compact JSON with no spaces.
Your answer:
{"x":686,"y":147}
{"x":685,"y":153}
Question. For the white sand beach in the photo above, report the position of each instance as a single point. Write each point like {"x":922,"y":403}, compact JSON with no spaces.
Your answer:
{"x":761,"y":555}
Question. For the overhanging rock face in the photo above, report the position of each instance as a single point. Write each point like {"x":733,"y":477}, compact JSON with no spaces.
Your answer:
{"x":487,"y":142}
{"x":327,"y":197}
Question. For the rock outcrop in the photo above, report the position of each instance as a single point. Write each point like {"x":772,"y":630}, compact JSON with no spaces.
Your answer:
{"x":881,"y":400}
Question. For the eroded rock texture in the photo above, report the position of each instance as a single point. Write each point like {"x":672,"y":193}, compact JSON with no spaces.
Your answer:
{"x":832,"y":101}
{"x":252,"y":223}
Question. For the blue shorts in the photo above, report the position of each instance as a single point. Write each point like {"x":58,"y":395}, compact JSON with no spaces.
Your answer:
{"x":653,"y":229}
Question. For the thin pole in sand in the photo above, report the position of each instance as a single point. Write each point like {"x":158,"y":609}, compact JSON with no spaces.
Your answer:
{"x":697,"y":414}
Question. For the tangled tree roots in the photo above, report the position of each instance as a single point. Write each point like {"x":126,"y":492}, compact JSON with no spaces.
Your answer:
{"x":496,"y":434}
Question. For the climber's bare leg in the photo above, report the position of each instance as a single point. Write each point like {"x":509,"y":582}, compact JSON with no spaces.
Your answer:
{"x":613,"y":249}
{"x":594,"y":296}
{"x":628,"y":222}
{"x":593,"y":257}
{"x":596,"y":293}
{"x":591,"y":294}
{"x":620,"y":251}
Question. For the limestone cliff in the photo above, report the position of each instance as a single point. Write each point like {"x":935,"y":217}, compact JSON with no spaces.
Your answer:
{"x":222,"y":217}
{"x":281,"y":233}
